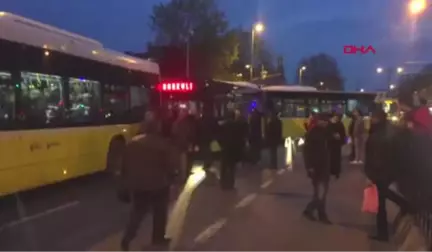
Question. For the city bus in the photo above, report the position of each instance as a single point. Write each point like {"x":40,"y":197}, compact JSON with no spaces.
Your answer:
{"x":294,"y":104}
{"x":217,"y":96}
{"x":68,"y":105}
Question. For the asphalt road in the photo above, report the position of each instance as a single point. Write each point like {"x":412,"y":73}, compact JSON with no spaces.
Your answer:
{"x":264,"y":213}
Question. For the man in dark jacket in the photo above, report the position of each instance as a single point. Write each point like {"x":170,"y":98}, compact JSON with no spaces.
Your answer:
{"x":351,"y":135}
{"x":274,"y":138}
{"x":255,"y":137}
{"x":233,"y":143}
{"x":317,"y":164}
{"x":337,"y":140}
{"x":148,"y":168}
{"x":380,"y":166}
{"x":207,"y":132}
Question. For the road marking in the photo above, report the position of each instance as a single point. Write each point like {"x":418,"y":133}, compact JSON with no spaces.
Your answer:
{"x":267,"y":183}
{"x":281,"y":171}
{"x":210,"y":231}
{"x":39,"y":215}
{"x":246,"y":200}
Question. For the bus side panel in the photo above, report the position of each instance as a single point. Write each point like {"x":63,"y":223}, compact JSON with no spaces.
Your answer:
{"x":293,"y":127}
{"x":35,"y":158}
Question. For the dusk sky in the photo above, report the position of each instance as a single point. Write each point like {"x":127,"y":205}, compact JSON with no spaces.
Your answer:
{"x":294,"y":29}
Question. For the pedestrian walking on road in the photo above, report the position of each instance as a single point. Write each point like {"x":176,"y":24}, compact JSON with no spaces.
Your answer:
{"x":352,"y":155}
{"x":147,"y":173}
{"x":337,"y":140}
{"x":183,"y":138}
{"x":381,"y":167}
{"x":359,"y":136}
{"x":233,"y":143}
{"x":255,"y":137}
{"x":274,"y":138}
{"x":317,"y":164}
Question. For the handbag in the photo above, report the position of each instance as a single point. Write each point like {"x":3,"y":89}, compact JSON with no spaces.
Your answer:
{"x":370,"y":200}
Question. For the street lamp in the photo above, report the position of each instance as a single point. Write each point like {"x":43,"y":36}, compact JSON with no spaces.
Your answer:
{"x":301,"y":70}
{"x":390,"y":71}
{"x":392,"y":86}
{"x":258,"y":28}
{"x":321,"y":83}
{"x":399,"y":70}
{"x":362,"y":90}
{"x":417,"y":7}
{"x":247,"y":66}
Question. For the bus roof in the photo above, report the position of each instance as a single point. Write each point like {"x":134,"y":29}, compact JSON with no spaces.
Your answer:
{"x":288,"y":88}
{"x":308,"y":89}
{"x":26,"y":31}
{"x":240,"y":84}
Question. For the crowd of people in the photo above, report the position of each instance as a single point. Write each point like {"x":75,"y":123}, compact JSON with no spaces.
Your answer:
{"x":170,"y":142}
{"x":391,"y":153}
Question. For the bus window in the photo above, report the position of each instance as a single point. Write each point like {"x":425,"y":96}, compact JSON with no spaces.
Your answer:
{"x":7,"y":100}
{"x":363,"y":106}
{"x":85,"y":99}
{"x":138,"y":97}
{"x":293,"y":108}
{"x":314,"y":106}
{"x":42,"y":98}
{"x":329,"y":106}
{"x":115,"y":100}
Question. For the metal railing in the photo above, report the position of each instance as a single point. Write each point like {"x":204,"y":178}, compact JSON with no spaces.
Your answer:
{"x":415,"y":185}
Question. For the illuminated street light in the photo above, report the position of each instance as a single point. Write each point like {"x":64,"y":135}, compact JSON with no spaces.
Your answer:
{"x":259,"y":27}
{"x":362,"y":90}
{"x":417,"y":7}
{"x":321,"y":83}
{"x":379,"y":70}
{"x":247,"y":66}
{"x":399,"y":70}
{"x":301,"y":70}
{"x":392,"y":86}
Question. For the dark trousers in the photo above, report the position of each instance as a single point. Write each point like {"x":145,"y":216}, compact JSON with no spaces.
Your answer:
{"x":255,"y":152}
{"x":353,"y":150}
{"x":273,"y":149}
{"x":228,"y":172}
{"x":319,"y":198}
{"x":156,"y":201}
{"x":206,"y":155}
{"x":335,"y":160}
{"x":385,"y":193}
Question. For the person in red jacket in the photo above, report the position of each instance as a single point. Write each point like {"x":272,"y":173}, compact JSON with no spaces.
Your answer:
{"x":311,"y":122}
{"x":417,"y":116}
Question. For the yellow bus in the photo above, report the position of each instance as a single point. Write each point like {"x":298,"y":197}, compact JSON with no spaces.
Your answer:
{"x":67,"y":104}
{"x":295,"y":103}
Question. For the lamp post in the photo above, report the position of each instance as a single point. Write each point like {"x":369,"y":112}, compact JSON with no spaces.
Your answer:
{"x":258,"y":28}
{"x":301,"y":70}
